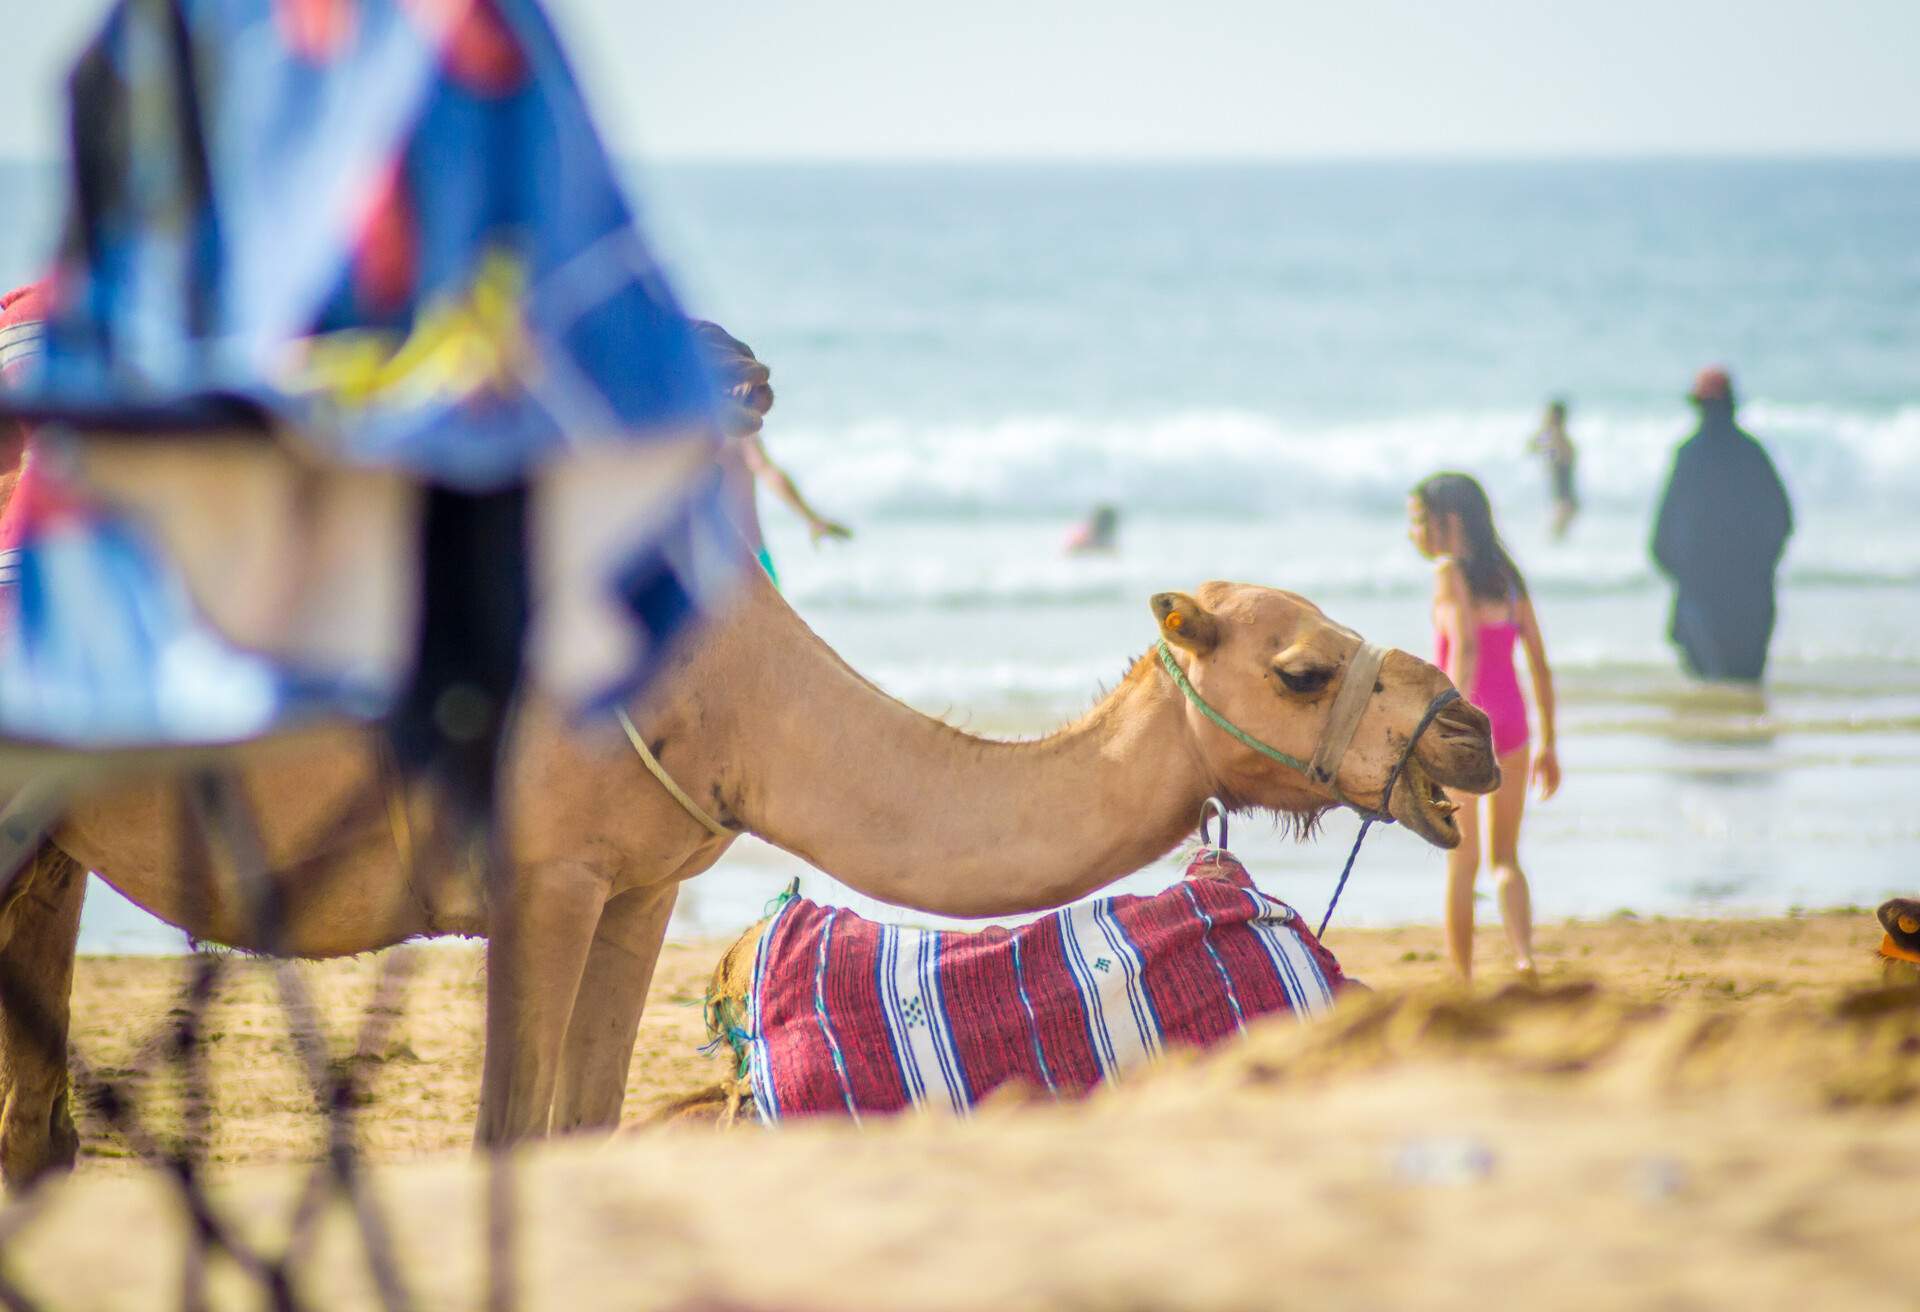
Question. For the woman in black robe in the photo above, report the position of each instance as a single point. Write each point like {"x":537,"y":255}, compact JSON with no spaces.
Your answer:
{"x":1722,"y":527}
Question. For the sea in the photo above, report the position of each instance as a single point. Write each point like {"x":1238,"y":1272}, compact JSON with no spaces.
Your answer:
{"x":1254,"y":362}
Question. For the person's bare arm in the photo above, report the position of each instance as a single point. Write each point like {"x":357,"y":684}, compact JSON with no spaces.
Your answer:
{"x":781,"y":484}
{"x":1546,"y":760}
{"x":1453,"y":612}
{"x":748,"y":396}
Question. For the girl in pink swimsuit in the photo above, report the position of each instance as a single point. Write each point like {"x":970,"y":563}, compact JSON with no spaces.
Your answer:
{"x":1481,"y":611}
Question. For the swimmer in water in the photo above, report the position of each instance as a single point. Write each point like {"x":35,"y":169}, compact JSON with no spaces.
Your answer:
{"x":1099,"y":532}
{"x":1480,"y":611}
{"x":749,"y":396}
{"x":1553,"y":443}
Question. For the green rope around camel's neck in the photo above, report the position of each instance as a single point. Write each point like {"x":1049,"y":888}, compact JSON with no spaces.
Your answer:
{"x":1226,"y":725}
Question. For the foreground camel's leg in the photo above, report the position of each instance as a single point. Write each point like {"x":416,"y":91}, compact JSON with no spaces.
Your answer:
{"x":1463,"y":867}
{"x":36,"y":983}
{"x":535,"y":959}
{"x":606,"y":1015}
{"x":1503,"y":856}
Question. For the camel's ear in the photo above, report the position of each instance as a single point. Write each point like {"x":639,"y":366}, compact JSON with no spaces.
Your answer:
{"x":1184,"y":622}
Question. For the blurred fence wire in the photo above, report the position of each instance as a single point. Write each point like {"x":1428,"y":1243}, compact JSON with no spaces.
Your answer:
{"x":217,"y":825}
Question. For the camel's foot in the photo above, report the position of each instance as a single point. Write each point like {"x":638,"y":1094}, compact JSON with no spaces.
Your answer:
{"x":497,"y":1135}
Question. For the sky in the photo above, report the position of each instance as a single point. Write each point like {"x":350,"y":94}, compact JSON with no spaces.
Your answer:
{"x":792,"y":79}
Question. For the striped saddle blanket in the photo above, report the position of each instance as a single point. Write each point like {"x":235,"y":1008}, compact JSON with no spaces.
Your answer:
{"x":846,"y":1016}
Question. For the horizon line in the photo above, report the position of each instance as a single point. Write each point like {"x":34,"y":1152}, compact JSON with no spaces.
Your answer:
{"x":1874,"y":155}
{"x":1909,"y":155}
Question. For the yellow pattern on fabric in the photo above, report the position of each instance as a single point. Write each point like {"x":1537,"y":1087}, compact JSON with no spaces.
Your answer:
{"x":461,"y":343}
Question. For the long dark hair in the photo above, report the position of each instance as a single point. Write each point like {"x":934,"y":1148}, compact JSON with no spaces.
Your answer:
{"x":1490,"y":571}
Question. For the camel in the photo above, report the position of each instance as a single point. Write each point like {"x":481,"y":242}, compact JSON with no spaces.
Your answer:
{"x":768,"y":732}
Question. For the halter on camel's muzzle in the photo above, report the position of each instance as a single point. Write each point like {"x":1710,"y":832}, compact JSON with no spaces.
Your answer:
{"x":1357,"y":686}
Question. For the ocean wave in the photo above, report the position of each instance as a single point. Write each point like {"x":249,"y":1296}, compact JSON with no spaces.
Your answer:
{"x":1042,"y":593}
{"x":1251,"y":463}
{"x":1043,"y":579}
{"x":1842,"y":691}
{"x":986,"y":567}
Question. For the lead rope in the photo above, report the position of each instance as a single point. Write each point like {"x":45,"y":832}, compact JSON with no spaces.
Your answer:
{"x":1321,"y":773}
{"x":1213,"y":806}
{"x":1434,"y":708}
{"x":674,"y":790}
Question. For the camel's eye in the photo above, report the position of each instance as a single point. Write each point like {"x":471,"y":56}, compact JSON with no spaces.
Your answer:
{"x":1304,"y":678}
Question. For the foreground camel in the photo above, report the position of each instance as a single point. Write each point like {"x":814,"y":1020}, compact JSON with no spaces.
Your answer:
{"x":770,"y":733}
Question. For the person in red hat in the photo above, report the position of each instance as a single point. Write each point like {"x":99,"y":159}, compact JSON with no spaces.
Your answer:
{"x":1723,"y":524}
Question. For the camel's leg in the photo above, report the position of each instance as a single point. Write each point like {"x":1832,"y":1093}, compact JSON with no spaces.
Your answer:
{"x":37,"y":938}
{"x":535,"y":958}
{"x":606,"y":1015}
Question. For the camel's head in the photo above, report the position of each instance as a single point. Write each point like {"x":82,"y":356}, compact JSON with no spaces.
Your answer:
{"x":1271,"y":664}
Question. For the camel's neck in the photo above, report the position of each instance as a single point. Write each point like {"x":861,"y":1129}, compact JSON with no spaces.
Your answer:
{"x":912,"y":811}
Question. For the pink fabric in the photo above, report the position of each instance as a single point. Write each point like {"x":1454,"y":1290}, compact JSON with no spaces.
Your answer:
{"x":1496,"y":685}
{"x":19,"y":306}
{"x":849,"y":1016}
{"x":28,"y":301}
{"x":20,"y":496}
{"x":18,"y":510}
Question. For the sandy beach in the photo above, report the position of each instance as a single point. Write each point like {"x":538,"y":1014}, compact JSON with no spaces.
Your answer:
{"x":1686,"y":1113}
{"x":1264,"y":378}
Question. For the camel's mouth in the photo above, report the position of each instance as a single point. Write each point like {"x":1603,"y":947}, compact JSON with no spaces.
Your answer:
{"x":1422,"y":805}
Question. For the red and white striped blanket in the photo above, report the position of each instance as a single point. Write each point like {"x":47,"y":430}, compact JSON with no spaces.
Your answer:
{"x":850,"y":1017}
